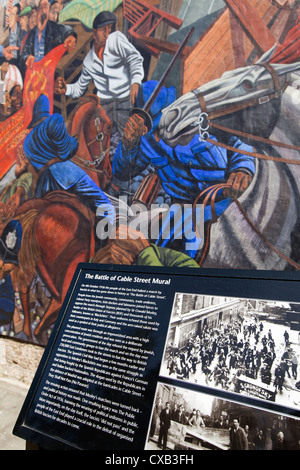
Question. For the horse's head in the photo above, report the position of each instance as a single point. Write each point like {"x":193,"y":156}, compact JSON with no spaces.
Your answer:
{"x":246,"y":99}
{"x":90,"y":123}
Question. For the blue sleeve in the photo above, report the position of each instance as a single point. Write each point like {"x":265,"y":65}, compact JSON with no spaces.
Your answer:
{"x":129,"y":163}
{"x":1,"y":51}
{"x":238,"y":161}
{"x":65,"y":145}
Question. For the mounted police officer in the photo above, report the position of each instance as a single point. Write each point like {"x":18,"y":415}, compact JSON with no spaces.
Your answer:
{"x":184,"y":171}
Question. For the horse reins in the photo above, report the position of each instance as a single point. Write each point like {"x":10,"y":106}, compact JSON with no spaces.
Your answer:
{"x":87,"y":164}
{"x":211,"y":193}
{"x":210,"y":116}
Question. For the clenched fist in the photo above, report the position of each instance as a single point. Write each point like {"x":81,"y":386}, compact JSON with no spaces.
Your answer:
{"x":60,"y":86}
{"x":70,"y":44}
{"x":8,"y":52}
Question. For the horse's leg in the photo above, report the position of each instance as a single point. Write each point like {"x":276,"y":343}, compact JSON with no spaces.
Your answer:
{"x":23,"y":287}
{"x":52,"y":311}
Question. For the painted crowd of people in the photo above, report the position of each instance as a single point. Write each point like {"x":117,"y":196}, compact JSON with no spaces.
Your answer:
{"x":31,"y":32}
{"x":116,"y":68}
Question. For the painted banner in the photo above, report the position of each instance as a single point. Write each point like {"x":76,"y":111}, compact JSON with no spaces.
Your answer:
{"x":14,"y":129}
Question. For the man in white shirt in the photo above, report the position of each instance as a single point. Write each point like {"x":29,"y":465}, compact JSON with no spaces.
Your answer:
{"x":116,"y":68}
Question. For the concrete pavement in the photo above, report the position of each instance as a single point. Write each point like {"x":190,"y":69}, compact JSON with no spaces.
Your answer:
{"x":12,"y":396}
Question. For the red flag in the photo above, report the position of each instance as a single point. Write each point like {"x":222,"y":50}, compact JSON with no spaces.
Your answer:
{"x":38,"y":80}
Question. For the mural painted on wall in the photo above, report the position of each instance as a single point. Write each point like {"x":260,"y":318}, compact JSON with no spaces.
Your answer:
{"x":155,"y":132}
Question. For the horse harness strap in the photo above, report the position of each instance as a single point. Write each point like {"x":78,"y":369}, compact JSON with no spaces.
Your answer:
{"x":238,"y":107}
{"x":275,"y":143}
{"x":207,"y":194}
{"x":75,"y":159}
{"x":99,"y":135}
{"x":87,"y":165}
{"x":205,"y":115}
{"x":99,"y":138}
{"x":273,"y":73}
{"x":254,"y":154}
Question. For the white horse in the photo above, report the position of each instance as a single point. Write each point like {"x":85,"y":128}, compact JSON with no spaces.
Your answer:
{"x":259,"y":231}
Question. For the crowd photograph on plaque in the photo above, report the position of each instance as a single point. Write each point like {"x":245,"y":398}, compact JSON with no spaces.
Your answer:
{"x":245,"y":346}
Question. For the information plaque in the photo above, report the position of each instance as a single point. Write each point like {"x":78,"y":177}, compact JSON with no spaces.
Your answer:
{"x":113,"y":352}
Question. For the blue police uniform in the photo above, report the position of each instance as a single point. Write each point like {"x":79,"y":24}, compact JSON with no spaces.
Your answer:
{"x":184,"y":171}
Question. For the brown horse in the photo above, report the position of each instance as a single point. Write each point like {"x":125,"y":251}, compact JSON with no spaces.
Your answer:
{"x":90,"y":124}
{"x":58,"y":230}
{"x":58,"y":233}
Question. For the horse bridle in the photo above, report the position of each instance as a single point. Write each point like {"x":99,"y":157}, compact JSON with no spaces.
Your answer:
{"x":92,"y":165}
{"x":252,"y":102}
{"x":205,"y":120}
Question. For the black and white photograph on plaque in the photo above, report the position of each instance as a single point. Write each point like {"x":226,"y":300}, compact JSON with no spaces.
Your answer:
{"x":187,"y":420}
{"x":245,"y":346}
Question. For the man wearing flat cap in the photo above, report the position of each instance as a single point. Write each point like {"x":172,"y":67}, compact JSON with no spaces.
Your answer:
{"x":115,"y":67}
{"x":23,"y":20}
